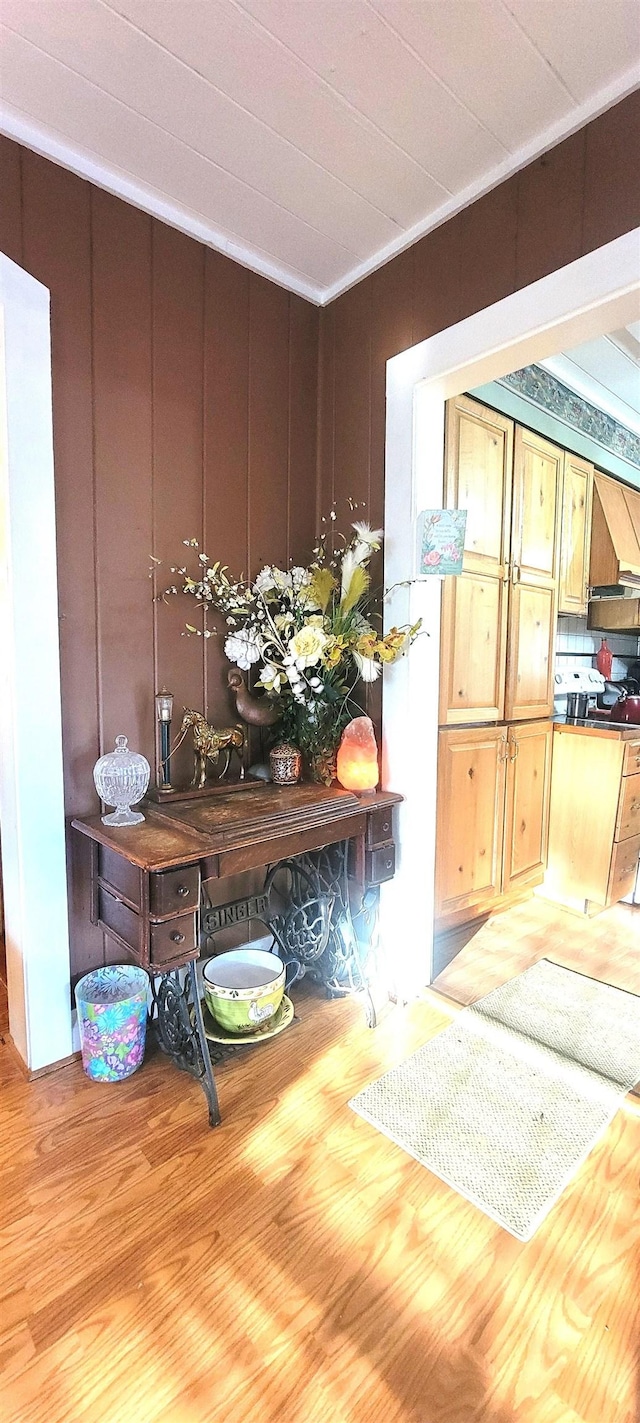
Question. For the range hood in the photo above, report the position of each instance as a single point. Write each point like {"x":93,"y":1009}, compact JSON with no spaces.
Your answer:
{"x":614,"y":570}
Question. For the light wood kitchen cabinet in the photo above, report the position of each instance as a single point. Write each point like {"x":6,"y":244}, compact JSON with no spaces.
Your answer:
{"x":499,"y":616}
{"x":575,"y":535}
{"x":535,"y":554}
{"x":594,"y":818}
{"x":529,"y":747}
{"x":470,"y":825}
{"x":478,"y":478}
{"x":493,"y":795}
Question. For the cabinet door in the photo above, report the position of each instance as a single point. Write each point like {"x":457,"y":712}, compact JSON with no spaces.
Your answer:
{"x":533,"y":602}
{"x":575,"y":534}
{"x":471,"y":782}
{"x":527,"y":807}
{"x":478,"y":465}
{"x":478,"y":468}
{"x":473,"y":649}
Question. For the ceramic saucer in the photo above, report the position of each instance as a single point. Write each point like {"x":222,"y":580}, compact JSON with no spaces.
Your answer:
{"x":280,"y":1020}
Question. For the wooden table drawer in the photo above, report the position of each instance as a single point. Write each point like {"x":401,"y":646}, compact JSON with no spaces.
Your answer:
{"x":379,"y":826}
{"x":121,"y":874}
{"x":173,"y":939}
{"x":628,"y":822}
{"x":121,"y":920}
{"x":174,"y":890}
{"x":380,"y":864}
{"x":631,"y":763}
{"x":624,"y":867}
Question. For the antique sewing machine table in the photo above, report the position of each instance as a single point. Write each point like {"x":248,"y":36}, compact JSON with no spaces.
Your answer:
{"x":326,"y":851}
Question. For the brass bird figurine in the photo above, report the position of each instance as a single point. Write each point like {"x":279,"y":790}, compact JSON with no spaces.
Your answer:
{"x":256,"y":711}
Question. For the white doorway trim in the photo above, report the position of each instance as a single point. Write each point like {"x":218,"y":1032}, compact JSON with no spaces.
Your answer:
{"x":31,"y":786}
{"x":596,"y":294}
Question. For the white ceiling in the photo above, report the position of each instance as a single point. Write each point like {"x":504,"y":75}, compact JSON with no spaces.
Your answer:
{"x":309,"y":139}
{"x":606,"y":372}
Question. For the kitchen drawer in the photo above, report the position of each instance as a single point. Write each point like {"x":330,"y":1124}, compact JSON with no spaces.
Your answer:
{"x":624,"y":866}
{"x":379,"y":826}
{"x":173,"y":939}
{"x":631,"y":763}
{"x":380,"y":863}
{"x":628,"y":822}
{"x":174,"y":890}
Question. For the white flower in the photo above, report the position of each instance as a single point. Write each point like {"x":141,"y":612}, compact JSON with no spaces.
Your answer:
{"x":281,"y":580}
{"x":369,"y":541}
{"x":244,"y":648}
{"x":270,"y":678}
{"x":300,"y":577}
{"x":368,"y":668}
{"x":264,"y":582}
{"x":307,"y":646}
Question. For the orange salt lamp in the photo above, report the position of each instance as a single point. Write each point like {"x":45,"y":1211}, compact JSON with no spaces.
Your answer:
{"x":358,"y":756}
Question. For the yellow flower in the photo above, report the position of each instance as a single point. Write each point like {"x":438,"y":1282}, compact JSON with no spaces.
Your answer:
{"x":334,"y":651}
{"x":307,"y":646}
{"x":367,"y":645}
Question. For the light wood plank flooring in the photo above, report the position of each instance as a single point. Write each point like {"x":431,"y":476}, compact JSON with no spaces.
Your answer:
{"x":294,"y":1265}
{"x":606,"y":947}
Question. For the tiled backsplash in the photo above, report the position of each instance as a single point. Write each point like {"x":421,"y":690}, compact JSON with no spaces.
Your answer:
{"x":573,"y":637}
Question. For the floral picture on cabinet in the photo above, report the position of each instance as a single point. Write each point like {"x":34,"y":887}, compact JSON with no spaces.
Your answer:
{"x":440,"y":542}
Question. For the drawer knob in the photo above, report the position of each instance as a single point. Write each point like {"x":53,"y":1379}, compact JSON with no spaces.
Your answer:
{"x":182,"y":890}
{"x":176,"y":938}
{"x":388,"y":864}
{"x":385,"y":828}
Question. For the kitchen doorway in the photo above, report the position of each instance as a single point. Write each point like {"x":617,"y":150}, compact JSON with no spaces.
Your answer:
{"x":596,"y":294}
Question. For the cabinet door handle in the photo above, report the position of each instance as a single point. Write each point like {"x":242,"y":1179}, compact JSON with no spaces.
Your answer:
{"x":176,"y":938}
{"x":182,"y":890}
{"x":504,"y":749}
{"x":515,"y":573}
{"x":515,"y":752}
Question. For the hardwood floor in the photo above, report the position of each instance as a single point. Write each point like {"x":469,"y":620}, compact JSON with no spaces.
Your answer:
{"x":606,"y":947}
{"x":294,"y":1265}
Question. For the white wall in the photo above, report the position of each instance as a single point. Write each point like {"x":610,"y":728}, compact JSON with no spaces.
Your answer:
{"x":31,"y":786}
{"x":598,"y":293}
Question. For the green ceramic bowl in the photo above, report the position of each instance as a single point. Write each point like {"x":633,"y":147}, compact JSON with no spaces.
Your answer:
{"x":243,"y":988}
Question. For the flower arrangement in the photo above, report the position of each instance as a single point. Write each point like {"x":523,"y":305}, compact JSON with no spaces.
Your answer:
{"x":309,"y":635}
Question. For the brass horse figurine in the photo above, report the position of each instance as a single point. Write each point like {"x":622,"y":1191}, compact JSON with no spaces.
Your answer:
{"x":208,"y":743}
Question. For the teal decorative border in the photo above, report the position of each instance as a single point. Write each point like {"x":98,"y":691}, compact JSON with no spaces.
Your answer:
{"x":538,"y":385}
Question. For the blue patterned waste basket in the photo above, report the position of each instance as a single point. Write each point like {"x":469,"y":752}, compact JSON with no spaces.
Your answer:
{"x":112,"y":1017}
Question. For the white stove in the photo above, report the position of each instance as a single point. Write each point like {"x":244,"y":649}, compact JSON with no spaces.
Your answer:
{"x":575,"y":691}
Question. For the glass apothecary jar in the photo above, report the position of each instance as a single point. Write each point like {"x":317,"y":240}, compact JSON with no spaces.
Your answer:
{"x":121,"y":779}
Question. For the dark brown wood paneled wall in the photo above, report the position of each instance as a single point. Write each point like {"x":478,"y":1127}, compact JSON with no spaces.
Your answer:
{"x":194,"y":399}
{"x":578,"y":196}
{"x":185,"y":404}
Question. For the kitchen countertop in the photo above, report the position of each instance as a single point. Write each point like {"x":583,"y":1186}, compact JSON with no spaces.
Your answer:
{"x":618,"y":730}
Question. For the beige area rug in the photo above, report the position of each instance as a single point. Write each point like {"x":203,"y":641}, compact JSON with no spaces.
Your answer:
{"x":505,"y":1104}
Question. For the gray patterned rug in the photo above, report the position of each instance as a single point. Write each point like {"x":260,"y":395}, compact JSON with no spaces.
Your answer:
{"x":505,"y":1104}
